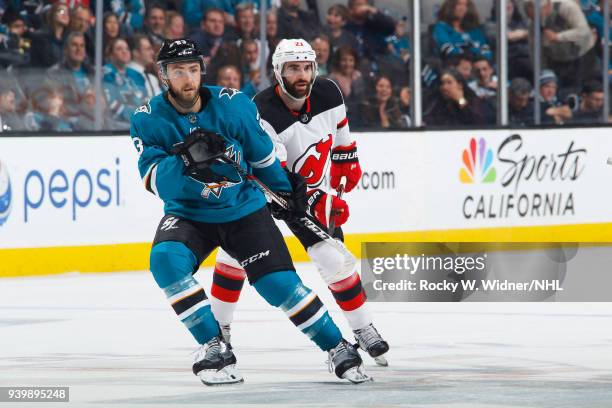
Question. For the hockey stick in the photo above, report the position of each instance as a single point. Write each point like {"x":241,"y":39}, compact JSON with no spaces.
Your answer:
{"x":306,"y":219}
{"x":332,"y":224}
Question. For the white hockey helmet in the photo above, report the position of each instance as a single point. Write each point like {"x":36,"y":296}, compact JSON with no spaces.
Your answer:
{"x":290,"y":50}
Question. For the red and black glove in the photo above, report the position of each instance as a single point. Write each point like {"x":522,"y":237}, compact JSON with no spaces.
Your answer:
{"x":344,"y":162}
{"x":320,"y":204}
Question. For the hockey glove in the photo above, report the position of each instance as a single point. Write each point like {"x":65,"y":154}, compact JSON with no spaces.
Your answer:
{"x":344,"y":162}
{"x":325,"y":207}
{"x":296,"y":199}
{"x":198,"y":151}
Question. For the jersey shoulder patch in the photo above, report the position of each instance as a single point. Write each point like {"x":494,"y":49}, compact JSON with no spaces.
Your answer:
{"x":231,"y":99}
{"x":146,"y":108}
{"x":228,"y":92}
{"x":151,"y":115}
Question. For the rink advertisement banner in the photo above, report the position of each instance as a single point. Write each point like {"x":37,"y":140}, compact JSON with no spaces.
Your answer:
{"x":67,"y":191}
{"x":518,"y":178}
{"x":79,"y":191}
{"x":486,"y":272}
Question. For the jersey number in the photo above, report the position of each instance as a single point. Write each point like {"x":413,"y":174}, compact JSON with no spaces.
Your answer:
{"x":311,"y":164}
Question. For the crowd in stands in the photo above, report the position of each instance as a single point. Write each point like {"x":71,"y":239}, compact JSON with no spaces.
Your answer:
{"x":47,"y":52}
{"x":460,"y":76}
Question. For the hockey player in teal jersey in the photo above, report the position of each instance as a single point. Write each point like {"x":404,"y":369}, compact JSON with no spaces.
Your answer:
{"x":182,"y":136}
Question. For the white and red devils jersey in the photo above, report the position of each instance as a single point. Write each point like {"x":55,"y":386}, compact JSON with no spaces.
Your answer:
{"x":304,"y":139}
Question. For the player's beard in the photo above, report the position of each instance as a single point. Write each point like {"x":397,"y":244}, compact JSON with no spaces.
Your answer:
{"x":182,"y":100}
{"x":291,"y":89}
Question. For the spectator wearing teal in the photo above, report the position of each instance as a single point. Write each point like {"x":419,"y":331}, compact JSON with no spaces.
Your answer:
{"x":193,"y":10}
{"x":130,"y":12}
{"x":124,"y":87}
{"x":72,"y":76}
{"x":459,"y":30}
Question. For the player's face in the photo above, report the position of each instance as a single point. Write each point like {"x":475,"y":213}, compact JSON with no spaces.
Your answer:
{"x":184,"y":79}
{"x":297,"y":77}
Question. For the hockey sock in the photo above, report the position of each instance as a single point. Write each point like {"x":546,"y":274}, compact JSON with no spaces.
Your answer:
{"x":226,"y":287}
{"x":172,"y":265}
{"x":302,"y":306}
{"x":351,"y":298}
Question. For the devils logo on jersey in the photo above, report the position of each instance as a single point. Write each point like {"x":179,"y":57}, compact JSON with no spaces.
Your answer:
{"x":313,"y":162}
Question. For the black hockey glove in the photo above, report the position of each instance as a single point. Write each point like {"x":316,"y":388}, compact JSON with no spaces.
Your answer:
{"x":198,"y":151}
{"x":297,"y":199}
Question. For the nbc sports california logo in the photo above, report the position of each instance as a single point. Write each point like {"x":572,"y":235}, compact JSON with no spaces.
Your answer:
{"x":5,"y":193}
{"x":520,"y":180}
{"x":477,"y":163}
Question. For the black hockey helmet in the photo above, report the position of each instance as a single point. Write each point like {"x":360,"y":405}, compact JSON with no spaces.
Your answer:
{"x":180,"y":50}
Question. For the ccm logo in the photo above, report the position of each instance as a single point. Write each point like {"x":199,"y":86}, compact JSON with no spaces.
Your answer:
{"x":254,"y":258}
{"x":344,"y":156}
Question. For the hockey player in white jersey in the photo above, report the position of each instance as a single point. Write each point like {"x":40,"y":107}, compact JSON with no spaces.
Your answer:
{"x":306,"y":118}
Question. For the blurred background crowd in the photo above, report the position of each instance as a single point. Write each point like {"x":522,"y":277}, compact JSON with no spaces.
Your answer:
{"x":47,"y":53}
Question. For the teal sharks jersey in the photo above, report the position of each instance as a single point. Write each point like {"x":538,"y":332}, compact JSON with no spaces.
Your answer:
{"x":157,"y":126}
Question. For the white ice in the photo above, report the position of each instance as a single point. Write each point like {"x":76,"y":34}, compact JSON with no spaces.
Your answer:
{"x":114,"y":340}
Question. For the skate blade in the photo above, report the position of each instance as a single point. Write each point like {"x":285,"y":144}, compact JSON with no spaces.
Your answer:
{"x":356,"y":375}
{"x":226,"y":375}
{"x":381,"y":361}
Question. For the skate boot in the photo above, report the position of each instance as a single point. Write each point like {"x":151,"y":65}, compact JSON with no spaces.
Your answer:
{"x":215,"y":363}
{"x":345,"y":361}
{"x":370,"y":341}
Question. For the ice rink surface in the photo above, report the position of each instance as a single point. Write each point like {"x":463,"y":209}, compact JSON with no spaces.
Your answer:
{"x":114,"y":340}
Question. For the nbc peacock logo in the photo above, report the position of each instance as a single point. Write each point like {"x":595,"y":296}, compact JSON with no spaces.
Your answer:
{"x":477,"y":163}
{"x":5,"y":193}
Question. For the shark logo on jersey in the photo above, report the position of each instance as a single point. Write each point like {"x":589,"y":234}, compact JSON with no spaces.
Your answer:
{"x":216,"y":189}
{"x":229,"y":92}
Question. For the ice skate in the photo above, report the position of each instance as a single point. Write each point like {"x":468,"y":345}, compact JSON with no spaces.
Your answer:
{"x":215,"y":364}
{"x":371,"y":342}
{"x":345,"y":361}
